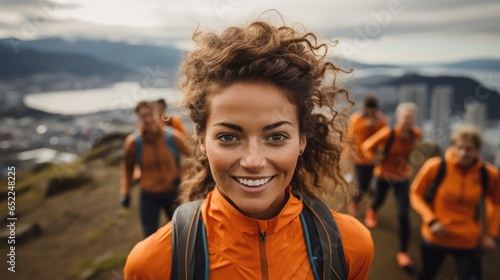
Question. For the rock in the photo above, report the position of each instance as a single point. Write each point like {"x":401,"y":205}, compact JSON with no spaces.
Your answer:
{"x":23,"y":232}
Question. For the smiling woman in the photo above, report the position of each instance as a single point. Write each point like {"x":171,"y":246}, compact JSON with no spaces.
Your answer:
{"x":268,"y":146}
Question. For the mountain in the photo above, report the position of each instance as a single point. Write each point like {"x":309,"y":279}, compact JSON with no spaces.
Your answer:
{"x":476,"y":64}
{"x":165,"y":57}
{"x":465,"y":90}
{"x":29,"y":62}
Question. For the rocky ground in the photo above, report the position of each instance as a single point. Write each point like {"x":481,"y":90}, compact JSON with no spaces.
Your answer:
{"x":80,"y":231}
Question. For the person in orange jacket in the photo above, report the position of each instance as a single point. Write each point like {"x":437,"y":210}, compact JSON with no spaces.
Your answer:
{"x":390,"y":148}
{"x":364,"y":124}
{"x":159,"y":169}
{"x":450,"y":222}
{"x":169,"y":120}
{"x":254,"y":94}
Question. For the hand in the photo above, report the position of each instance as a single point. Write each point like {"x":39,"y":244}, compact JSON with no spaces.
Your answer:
{"x":437,"y":228}
{"x":488,"y":244}
{"x":125,"y":200}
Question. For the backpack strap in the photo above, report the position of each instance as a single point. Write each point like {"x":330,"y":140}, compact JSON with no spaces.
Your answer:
{"x":185,"y":227}
{"x":481,"y":205}
{"x":138,"y":147}
{"x":330,"y":241}
{"x":430,"y":193}
{"x":169,"y":140}
{"x":389,"y":143}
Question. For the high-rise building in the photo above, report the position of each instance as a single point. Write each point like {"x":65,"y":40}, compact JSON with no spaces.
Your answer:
{"x":475,"y":114}
{"x":441,"y":114}
{"x":417,"y":94}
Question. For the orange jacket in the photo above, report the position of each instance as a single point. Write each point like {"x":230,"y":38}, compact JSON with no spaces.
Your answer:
{"x":234,"y":241}
{"x":362,"y":128}
{"x":396,"y":166}
{"x":455,"y":202}
{"x":159,"y":169}
{"x":176,"y":123}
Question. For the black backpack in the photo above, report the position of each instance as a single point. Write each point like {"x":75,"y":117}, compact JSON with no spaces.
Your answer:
{"x":190,"y":251}
{"x":430,"y":193}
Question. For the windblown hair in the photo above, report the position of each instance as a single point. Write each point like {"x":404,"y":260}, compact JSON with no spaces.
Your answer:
{"x":146,"y":104}
{"x":468,"y":133}
{"x":288,"y":59}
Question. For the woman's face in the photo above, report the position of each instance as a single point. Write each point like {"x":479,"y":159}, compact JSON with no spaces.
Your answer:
{"x":466,"y":152}
{"x":252,"y":142}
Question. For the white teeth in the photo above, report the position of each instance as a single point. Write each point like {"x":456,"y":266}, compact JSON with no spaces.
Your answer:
{"x":253,"y":183}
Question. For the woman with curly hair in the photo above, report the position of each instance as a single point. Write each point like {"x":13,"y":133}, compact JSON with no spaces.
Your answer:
{"x":269,"y":140}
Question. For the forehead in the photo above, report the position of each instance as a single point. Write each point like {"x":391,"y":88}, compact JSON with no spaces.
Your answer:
{"x":251,"y":101}
{"x":464,"y":142}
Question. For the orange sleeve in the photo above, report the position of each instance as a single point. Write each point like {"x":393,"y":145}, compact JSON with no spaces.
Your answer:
{"x":151,"y":258}
{"x":182,"y":143}
{"x":358,"y":245}
{"x":127,"y":165}
{"x":177,"y":124}
{"x":369,"y":145}
{"x":421,"y":182}
{"x":493,"y":201}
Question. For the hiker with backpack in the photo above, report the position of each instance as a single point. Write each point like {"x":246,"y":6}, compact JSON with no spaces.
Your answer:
{"x":156,"y":150}
{"x":390,"y":148}
{"x":449,"y":194}
{"x":262,"y":98}
{"x":364,"y":123}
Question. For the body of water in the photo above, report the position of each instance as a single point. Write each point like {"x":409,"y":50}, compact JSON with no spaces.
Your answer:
{"x":123,"y":95}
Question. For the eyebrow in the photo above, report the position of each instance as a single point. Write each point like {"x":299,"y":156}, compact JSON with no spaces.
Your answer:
{"x":267,"y":127}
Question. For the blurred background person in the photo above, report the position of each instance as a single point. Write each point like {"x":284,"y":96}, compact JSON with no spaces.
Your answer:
{"x":156,"y":150}
{"x":390,"y":148}
{"x":168,"y":119}
{"x":364,"y":123}
{"x":447,"y":193}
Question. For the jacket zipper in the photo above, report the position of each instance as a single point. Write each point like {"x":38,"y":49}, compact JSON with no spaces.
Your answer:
{"x":263,"y":258}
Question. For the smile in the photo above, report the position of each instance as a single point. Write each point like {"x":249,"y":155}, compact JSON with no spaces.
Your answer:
{"x":253,"y":183}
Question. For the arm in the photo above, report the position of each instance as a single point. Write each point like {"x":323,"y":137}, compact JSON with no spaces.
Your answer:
{"x":423,"y":179}
{"x":127,"y":165}
{"x":182,"y":143}
{"x":370,"y":145}
{"x":493,"y":202}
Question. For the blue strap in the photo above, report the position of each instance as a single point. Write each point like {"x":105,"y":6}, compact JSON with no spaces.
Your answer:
{"x":308,"y":245}
{"x":169,"y":138}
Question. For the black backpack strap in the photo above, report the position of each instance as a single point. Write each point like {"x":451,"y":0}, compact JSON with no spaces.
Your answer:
{"x":431,"y":190}
{"x":185,"y":227}
{"x":330,"y":241}
{"x":481,"y":207}
{"x":389,"y":143}
{"x":485,"y":178}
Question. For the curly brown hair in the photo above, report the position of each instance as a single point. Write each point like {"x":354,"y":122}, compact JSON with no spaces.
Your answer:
{"x":293,"y":61}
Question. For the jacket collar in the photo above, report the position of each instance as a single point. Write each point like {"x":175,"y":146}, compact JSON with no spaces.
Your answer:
{"x":218,"y":209}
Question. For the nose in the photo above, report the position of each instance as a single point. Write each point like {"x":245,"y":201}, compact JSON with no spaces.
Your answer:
{"x":253,"y":158}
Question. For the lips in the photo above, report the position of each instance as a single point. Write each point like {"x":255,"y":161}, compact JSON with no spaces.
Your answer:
{"x":253,"y":182}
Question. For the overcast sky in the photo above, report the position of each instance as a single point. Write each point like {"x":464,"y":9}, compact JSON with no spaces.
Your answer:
{"x":370,"y":31}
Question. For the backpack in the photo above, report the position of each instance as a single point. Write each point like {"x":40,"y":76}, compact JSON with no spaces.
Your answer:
{"x":430,"y":193}
{"x":190,"y":250}
{"x":169,"y":141}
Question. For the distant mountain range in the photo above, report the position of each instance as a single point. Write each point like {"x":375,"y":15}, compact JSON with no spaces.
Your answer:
{"x":131,"y":57}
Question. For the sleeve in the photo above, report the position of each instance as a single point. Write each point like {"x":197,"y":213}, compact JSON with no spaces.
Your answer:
{"x":182,"y":143}
{"x":370,"y":145}
{"x":358,"y":246}
{"x":177,"y":124}
{"x":150,"y":258}
{"x":419,"y":186}
{"x":127,"y":165}
{"x":493,"y":202}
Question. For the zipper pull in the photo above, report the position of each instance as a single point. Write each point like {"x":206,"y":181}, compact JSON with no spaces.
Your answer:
{"x":263,"y":237}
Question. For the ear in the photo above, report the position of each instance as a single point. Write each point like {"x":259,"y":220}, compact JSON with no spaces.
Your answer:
{"x":203,"y":148}
{"x":302,"y":144}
